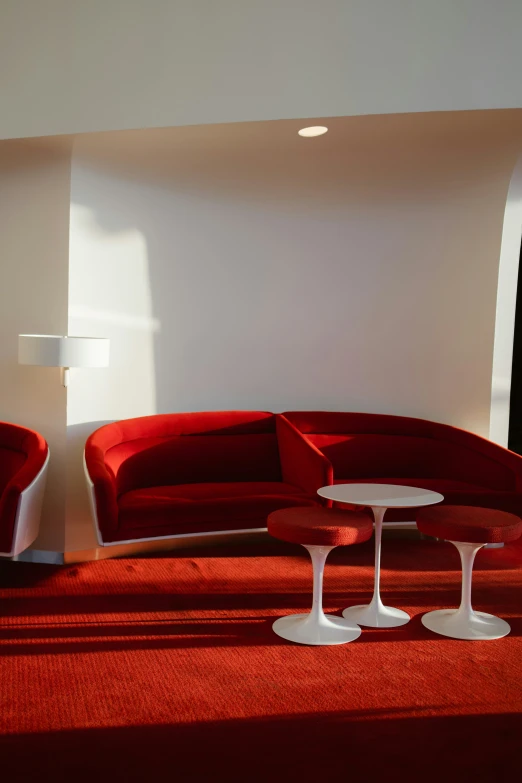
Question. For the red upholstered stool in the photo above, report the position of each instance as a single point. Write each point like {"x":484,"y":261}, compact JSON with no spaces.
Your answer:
{"x":319,"y":530}
{"x":469,"y":528}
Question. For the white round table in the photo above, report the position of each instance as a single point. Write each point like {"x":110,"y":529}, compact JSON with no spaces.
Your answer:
{"x":379,"y":497}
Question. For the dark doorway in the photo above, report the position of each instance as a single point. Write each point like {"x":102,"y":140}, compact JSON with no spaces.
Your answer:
{"x":515,"y":401}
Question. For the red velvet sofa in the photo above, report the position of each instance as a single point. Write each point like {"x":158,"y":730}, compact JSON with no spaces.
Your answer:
{"x":366,"y":447}
{"x":24,"y":456}
{"x":193,"y":473}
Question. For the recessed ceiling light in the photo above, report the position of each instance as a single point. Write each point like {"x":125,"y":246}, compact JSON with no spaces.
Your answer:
{"x":313,"y":130}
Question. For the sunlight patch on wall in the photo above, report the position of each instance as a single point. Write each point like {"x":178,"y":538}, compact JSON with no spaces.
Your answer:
{"x":109,"y":296}
{"x":138,"y":322}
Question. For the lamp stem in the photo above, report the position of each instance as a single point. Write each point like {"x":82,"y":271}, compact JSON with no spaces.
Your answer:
{"x":65,"y":376}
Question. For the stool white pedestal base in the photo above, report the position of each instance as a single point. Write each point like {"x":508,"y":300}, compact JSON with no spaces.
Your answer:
{"x":464,"y":623}
{"x":316,"y":627}
{"x":375,"y":614}
{"x":475,"y":626}
{"x":302,"y":628}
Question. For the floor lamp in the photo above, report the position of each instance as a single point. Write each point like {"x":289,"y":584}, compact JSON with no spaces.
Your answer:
{"x":51,"y":350}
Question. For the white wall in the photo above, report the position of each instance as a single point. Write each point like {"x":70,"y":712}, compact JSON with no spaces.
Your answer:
{"x":244,"y":267}
{"x":34,"y":220}
{"x":71,"y":66}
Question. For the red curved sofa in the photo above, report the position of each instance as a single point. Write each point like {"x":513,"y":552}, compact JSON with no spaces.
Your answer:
{"x":186,"y":474}
{"x":194,"y":473}
{"x":368,"y":447}
{"x":24,"y":456}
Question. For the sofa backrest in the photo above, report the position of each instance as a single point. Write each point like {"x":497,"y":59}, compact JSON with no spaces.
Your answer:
{"x":190,"y":448}
{"x":363,"y":446}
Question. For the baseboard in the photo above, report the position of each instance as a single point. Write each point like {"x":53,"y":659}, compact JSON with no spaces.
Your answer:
{"x":164,"y":545}
{"x":40,"y":556}
{"x":205,"y":540}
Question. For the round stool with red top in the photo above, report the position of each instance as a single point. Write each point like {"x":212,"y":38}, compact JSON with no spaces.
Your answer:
{"x":469,"y":528}
{"x":319,"y":530}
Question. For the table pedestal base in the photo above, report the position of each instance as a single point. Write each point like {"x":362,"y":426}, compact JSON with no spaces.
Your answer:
{"x":376,"y":616}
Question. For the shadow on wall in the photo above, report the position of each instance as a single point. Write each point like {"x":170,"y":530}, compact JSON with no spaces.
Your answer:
{"x":285,"y":275}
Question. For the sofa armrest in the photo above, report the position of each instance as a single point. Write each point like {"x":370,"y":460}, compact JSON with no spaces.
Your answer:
{"x":20,"y":500}
{"x":514,"y":462}
{"x":511,"y":461}
{"x":302,"y":464}
{"x":102,"y":492}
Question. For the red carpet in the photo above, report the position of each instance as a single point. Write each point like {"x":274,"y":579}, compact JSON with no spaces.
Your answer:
{"x":166,"y":668}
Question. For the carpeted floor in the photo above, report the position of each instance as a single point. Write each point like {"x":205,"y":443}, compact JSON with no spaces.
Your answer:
{"x":166,"y":668}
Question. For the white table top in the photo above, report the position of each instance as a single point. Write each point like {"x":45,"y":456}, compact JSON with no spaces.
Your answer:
{"x":380,"y":495}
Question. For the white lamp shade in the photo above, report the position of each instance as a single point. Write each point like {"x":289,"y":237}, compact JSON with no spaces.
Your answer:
{"x":50,"y":350}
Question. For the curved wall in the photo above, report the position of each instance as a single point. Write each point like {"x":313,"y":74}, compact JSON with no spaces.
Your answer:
{"x":239,"y":266}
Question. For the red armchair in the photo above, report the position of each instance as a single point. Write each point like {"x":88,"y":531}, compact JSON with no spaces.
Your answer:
{"x":24,"y":456}
{"x":366,"y":447}
{"x":191,"y":473}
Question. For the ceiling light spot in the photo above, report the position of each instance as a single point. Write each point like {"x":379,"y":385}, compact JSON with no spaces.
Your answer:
{"x":313,"y":130}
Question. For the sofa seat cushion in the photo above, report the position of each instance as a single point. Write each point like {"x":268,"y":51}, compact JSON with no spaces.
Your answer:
{"x":199,"y":508}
